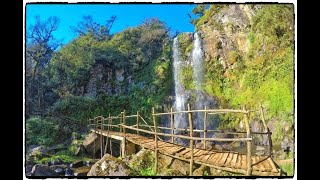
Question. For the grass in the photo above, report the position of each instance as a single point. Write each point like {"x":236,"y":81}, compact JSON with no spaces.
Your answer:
{"x":65,"y":156}
{"x":148,"y":172}
{"x":288,"y":168}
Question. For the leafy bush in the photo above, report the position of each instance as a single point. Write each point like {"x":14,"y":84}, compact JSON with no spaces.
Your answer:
{"x":43,"y":131}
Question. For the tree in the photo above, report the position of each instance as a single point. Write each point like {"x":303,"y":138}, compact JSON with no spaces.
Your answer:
{"x":39,"y":49}
{"x":88,"y":26}
{"x":199,"y":9}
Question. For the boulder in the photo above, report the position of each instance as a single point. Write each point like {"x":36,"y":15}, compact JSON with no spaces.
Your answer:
{"x":209,"y":145}
{"x":38,"y":153}
{"x":42,"y":170}
{"x":215,"y":172}
{"x":92,"y":143}
{"x":142,"y":160}
{"x":81,"y":171}
{"x":201,"y":170}
{"x":59,"y":171}
{"x":77,"y":164}
{"x":164,"y":162}
{"x":68,"y":172}
{"x":80,"y":151}
{"x":181,"y":166}
{"x":109,"y":166}
{"x":28,"y":168}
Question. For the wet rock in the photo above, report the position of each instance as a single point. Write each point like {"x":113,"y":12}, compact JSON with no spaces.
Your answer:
{"x":77,"y":164}
{"x":68,"y":172}
{"x":28,"y":168}
{"x":109,"y":166}
{"x":42,"y":170}
{"x":201,"y":170}
{"x":59,"y":171}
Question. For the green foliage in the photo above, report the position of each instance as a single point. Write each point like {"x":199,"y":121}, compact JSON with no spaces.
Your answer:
{"x":186,"y":77}
{"x":185,"y":45}
{"x":148,"y":172}
{"x":199,"y":9}
{"x":288,"y":168}
{"x":43,"y":131}
{"x":208,"y":14}
{"x":264,"y":74}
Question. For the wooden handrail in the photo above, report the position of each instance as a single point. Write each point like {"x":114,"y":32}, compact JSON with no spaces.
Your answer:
{"x":187,"y":137}
{"x":208,"y":111}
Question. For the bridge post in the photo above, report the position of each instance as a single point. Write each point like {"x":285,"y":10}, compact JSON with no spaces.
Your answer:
{"x":266,"y":129}
{"x":138,"y":122}
{"x":124,"y":132}
{"x":101,"y":137}
{"x":155,"y":141}
{"x":191,"y":140}
{"x":205,"y":128}
{"x":249,"y":160}
{"x":172,"y":123}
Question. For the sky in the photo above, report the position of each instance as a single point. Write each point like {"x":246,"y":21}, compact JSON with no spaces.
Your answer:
{"x":128,"y":15}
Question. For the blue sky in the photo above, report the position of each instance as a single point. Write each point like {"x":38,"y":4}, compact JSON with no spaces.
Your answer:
{"x":128,"y":15}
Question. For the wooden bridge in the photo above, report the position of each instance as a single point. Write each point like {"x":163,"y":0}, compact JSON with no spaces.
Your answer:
{"x":149,"y":137}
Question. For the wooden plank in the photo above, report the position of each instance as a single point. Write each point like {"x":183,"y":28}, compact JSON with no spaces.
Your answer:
{"x":244,"y":161}
{"x":176,"y":149}
{"x":183,"y":152}
{"x":215,"y":158}
{"x":273,"y":166}
{"x":229,"y":159}
{"x":238,"y":163}
{"x":259,"y":164}
{"x":254,"y":165}
{"x":188,"y":155}
{"x":266,"y":165}
{"x":234,"y":160}
{"x":199,"y":157}
{"x":199,"y":153}
{"x":223,"y":159}
{"x":206,"y":157}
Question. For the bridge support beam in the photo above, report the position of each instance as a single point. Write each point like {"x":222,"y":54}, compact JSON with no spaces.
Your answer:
{"x":249,"y":161}
{"x":191,"y":140}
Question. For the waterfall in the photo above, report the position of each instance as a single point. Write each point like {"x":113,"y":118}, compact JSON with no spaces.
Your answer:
{"x":180,"y":100}
{"x":198,"y":80}
{"x":197,"y":63}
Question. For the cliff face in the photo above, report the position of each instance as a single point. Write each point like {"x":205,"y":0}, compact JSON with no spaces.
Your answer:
{"x":248,"y":52}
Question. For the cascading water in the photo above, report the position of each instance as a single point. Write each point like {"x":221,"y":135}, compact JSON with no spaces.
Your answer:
{"x":180,"y":101}
{"x":181,"y":97}
{"x":198,"y":79}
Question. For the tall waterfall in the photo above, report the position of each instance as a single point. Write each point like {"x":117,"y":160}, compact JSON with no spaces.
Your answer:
{"x":197,"y":63}
{"x":198,"y":80}
{"x":180,"y":120}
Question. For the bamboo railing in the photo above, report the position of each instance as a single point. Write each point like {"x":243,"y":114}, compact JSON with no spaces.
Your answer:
{"x":99,"y":123}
